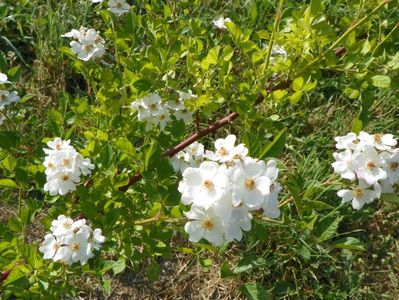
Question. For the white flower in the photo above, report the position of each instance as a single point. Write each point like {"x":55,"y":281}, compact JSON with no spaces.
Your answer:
{"x":3,"y":78}
{"x":204,"y":185}
{"x":343,"y":164}
{"x":61,"y":183}
{"x":226,"y":151}
{"x":250,"y":186}
{"x":204,"y":225}
{"x":368,"y":165}
{"x":180,"y":161}
{"x":97,"y":239}
{"x":270,"y":205}
{"x":391,"y":166}
{"x":240,"y":220}
{"x":7,"y":98}
{"x":349,"y":141}
{"x":221,"y":22}
{"x":379,"y":141}
{"x":64,"y":165}
{"x":360,"y":195}
{"x":118,"y":7}
{"x":71,"y":241}
{"x":96,"y":1}
{"x":87,"y":43}
{"x":49,"y":246}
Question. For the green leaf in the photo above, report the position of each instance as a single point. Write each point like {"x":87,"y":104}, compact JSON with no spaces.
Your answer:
{"x":107,"y":286}
{"x":254,"y":291}
{"x":125,"y":146}
{"x":297,"y":85}
{"x":381,"y":81}
{"x":250,"y":262}
{"x":327,"y":227}
{"x":153,"y":271}
{"x":276,"y":146}
{"x":295,"y":97}
{"x":119,"y":266}
{"x":357,"y":125}
{"x":316,"y":6}
{"x":8,"y":139}
{"x":349,"y":243}
{"x":8,"y":183}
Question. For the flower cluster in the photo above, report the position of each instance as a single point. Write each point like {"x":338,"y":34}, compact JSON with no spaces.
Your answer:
{"x":370,"y":163}
{"x":87,"y":43}
{"x":64,"y":165}
{"x":71,"y":241}
{"x":6,"y":97}
{"x":223,"y":187}
{"x":157,"y":112}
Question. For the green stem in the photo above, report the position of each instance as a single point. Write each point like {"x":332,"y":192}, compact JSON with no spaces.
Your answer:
{"x":274,"y":32}
{"x":160,"y":219}
{"x":385,"y":39}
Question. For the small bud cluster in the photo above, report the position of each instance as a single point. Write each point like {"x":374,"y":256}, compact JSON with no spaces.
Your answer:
{"x":223,"y":190}
{"x":372,"y":161}
{"x":6,"y":97}
{"x":157,"y":112}
{"x":87,"y":43}
{"x":71,"y":241}
{"x":64,"y":165}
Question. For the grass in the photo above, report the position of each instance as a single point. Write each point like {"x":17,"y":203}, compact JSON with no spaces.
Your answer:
{"x":301,"y":267}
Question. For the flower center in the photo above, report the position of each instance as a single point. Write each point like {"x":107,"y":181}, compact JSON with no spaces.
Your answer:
{"x":208,"y":224}
{"x":394,"y":166}
{"x":223,"y":151}
{"x":358,"y":193}
{"x":237,"y":156}
{"x":208,"y":184}
{"x":153,"y":106}
{"x":371,"y":165}
{"x":56,"y":246}
{"x":249,"y":184}
{"x":119,"y":5}
{"x":272,"y":187}
{"x":356,"y":141}
{"x":3,"y":97}
{"x":58,"y":147}
{"x":65,"y":177}
{"x":50,"y":166}
{"x":66,"y":162}
{"x":67,"y":225}
{"x":87,"y":48}
{"x":75,"y":247}
{"x":378,"y":138}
